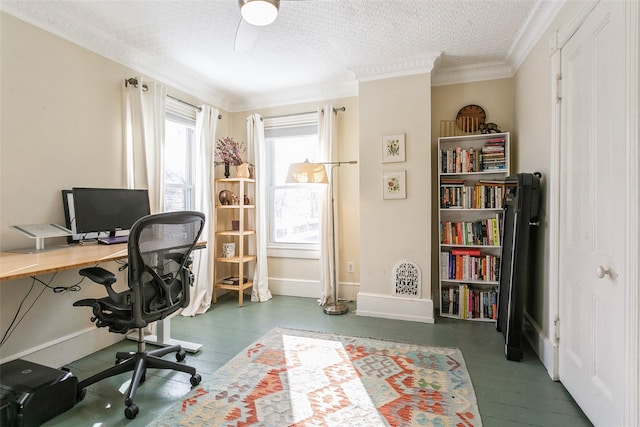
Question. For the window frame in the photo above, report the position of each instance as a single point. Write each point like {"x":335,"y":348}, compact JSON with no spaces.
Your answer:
{"x":182,"y":114}
{"x":287,"y":249}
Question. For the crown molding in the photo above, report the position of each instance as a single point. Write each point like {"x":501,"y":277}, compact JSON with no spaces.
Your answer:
{"x":402,"y":67}
{"x":471,"y":73}
{"x":334,"y":89}
{"x":541,"y":16}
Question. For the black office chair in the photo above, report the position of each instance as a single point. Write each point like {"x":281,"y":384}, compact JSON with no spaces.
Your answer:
{"x":159,"y":278}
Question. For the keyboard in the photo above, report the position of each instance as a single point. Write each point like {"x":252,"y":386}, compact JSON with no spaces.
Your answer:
{"x":113,"y":240}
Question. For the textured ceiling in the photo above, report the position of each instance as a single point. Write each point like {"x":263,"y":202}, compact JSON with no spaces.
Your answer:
{"x":314,"y":50}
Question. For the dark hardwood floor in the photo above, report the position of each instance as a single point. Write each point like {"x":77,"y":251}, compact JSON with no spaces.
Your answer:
{"x":508,"y":393}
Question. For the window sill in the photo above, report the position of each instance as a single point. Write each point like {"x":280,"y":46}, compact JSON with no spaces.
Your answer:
{"x":288,"y":252}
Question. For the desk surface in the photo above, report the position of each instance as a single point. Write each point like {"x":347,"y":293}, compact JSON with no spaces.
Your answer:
{"x":14,"y":265}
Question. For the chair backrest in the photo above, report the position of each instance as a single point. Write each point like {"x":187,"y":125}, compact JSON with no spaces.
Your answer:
{"x":159,"y":249}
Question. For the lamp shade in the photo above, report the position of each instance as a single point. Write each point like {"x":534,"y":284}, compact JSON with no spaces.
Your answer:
{"x":307,"y":173}
{"x":259,"y":12}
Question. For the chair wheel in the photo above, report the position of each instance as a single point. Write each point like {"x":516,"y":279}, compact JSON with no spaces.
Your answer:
{"x":181,"y":355}
{"x":131,"y":411}
{"x":195,"y":380}
{"x":80,"y":394}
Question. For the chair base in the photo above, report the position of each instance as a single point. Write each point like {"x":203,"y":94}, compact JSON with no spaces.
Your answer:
{"x":139,"y":362}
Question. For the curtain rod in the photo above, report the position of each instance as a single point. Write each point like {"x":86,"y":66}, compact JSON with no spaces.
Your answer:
{"x":335,"y":110}
{"x":133,"y":81}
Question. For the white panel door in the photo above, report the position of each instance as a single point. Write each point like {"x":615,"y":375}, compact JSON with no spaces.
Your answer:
{"x":592,"y":215}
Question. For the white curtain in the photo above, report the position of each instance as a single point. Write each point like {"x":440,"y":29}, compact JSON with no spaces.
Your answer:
{"x":143,"y":143}
{"x":144,"y":117}
{"x":327,"y":134}
{"x":202,"y":290}
{"x":256,"y":154}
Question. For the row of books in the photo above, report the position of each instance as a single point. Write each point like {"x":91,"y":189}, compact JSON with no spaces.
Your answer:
{"x":469,"y":302}
{"x":469,"y":264}
{"x":491,"y":156}
{"x":481,"y":232}
{"x":483,"y":194}
{"x":461,"y":160}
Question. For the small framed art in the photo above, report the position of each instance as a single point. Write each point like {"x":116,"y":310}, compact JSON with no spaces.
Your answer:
{"x":393,"y":148}
{"x":394,"y":185}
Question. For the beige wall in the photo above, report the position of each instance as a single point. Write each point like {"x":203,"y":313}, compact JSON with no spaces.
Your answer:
{"x":533,"y":117}
{"x":496,"y":97}
{"x":61,"y":126}
{"x":533,"y":88}
{"x":395,"y":230}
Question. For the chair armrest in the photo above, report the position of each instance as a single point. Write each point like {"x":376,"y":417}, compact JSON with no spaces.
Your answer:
{"x":99,"y":275}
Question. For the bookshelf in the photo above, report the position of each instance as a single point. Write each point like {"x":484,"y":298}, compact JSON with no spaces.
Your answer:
{"x":471,"y":174}
{"x":234,"y":229}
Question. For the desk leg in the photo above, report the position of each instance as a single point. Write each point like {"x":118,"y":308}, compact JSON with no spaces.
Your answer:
{"x":163,"y":338}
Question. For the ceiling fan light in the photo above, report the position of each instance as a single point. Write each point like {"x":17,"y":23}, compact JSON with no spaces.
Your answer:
{"x":259,"y":12}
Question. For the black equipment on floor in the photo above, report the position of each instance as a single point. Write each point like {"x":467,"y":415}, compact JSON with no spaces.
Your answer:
{"x":32,"y":394}
{"x":517,"y":261}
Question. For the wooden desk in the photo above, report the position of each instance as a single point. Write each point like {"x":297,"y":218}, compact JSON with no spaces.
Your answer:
{"x":14,"y":265}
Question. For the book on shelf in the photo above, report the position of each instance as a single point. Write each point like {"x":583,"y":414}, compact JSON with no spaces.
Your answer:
{"x":491,"y":156}
{"x":465,"y":251}
{"x":479,"y":268}
{"x":484,"y":232}
{"x":460,"y":160}
{"x":461,"y":194}
{"x":469,"y":302}
{"x":451,"y":181}
{"x":233,"y":280}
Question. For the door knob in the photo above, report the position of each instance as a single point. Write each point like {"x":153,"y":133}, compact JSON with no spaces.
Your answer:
{"x":601,"y":272}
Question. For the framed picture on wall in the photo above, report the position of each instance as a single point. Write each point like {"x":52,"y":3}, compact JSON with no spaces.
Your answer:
{"x":394,"y":185}
{"x":393,"y":148}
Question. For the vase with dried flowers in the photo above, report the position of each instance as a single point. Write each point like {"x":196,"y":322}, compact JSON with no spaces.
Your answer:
{"x":229,"y":152}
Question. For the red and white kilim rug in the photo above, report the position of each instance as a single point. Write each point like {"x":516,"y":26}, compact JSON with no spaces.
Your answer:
{"x":298,"y":378}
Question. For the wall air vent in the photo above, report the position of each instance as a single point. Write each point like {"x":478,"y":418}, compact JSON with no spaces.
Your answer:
{"x":407,"y":279}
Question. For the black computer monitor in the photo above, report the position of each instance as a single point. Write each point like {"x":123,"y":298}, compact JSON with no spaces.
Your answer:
{"x":108,"y":209}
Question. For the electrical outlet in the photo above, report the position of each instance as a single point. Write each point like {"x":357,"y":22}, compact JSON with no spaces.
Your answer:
{"x":350,"y":267}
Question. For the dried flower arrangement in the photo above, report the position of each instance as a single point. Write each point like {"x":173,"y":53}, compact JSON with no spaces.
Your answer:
{"x":229,"y":151}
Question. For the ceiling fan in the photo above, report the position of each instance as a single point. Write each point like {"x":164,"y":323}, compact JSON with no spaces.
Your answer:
{"x":255,"y":14}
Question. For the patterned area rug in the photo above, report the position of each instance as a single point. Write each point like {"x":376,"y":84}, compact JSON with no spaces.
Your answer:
{"x":298,"y":378}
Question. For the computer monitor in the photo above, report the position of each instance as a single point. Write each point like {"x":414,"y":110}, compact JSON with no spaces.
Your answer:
{"x":108,"y":209}
{"x":70,"y":220}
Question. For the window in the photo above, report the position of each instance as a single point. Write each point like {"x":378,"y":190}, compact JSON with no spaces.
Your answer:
{"x":180,"y":123}
{"x":294,"y":210}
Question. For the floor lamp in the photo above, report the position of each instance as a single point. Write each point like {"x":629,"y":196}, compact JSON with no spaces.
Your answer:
{"x":316,"y":173}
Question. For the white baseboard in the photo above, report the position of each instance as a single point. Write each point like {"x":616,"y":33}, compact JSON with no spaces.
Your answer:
{"x":545,"y":348}
{"x":67,"y":349}
{"x":309,"y":288}
{"x":294,"y":287}
{"x":398,"y":308}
